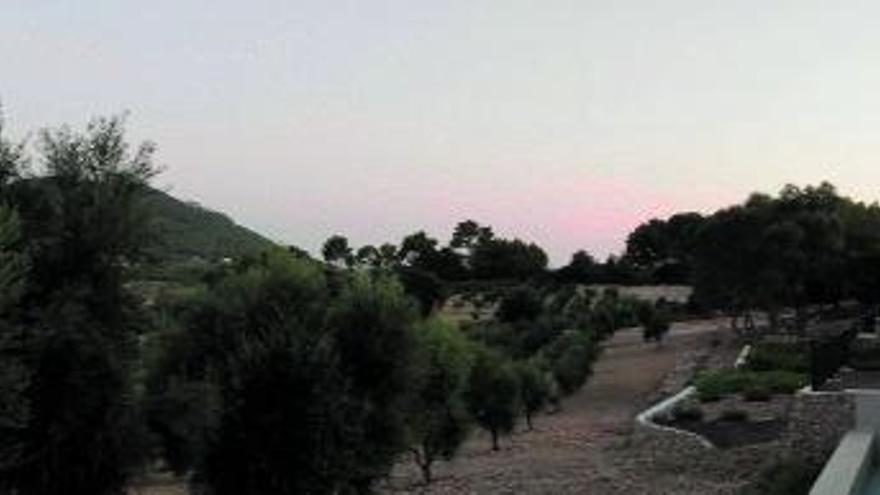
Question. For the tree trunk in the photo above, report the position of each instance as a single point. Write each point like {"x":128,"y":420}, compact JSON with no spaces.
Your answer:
{"x":528,"y":416}
{"x":424,"y":460}
{"x":426,"y":471}
{"x":494,"y":439}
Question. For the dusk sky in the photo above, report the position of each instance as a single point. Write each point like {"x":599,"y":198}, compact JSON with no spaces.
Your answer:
{"x":566,"y":123}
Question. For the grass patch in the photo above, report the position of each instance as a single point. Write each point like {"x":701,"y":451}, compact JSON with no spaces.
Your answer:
{"x":713,"y":385}
{"x":773,"y":357}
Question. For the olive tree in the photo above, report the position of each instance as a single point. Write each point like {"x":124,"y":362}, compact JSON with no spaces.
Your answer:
{"x":493,"y":394}
{"x":438,"y":417}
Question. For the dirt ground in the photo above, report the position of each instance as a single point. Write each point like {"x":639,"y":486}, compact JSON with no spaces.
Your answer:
{"x":578,"y":450}
{"x":568,"y":451}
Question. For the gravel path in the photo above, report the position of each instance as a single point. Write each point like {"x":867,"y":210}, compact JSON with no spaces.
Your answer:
{"x":583,"y":449}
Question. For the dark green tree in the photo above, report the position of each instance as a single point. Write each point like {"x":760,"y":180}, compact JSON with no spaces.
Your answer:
{"x":500,"y":259}
{"x":468,"y":234}
{"x":771,"y":253}
{"x":388,"y":256}
{"x":14,"y":375}
{"x":368,"y":256}
{"x":336,"y":251}
{"x":82,"y":223}
{"x":570,"y":357}
{"x":655,"y":323}
{"x":423,"y":286}
{"x":493,"y":394}
{"x":582,"y":268}
{"x":523,"y":303}
{"x":534,"y":389}
{"x":438,"y":418}
{"x":417,"y":250}
{"x":313,"y":382}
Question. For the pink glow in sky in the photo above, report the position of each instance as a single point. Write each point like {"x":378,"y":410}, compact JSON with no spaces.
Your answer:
{"x":565,"y":122}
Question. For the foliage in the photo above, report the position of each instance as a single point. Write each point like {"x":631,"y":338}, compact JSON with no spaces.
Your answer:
{"x":582,"y":268}
{"x":438,"y":419}
{"x":82,"y":223}
{"x":523,"y":303}
{"x":318,"y":380}
{"x":500,"y":258}
{"x":336,"y":251}
{"x":773,"y":252}
{"x":14,"y":374}
{"x":766,"y":357}
{"x":570,"y":357}
{"x":665,"y":247}
{"x":612,"y":312}
{"x":655,"y":323}
{"x":534,"y":388}
{"x":186,"y":237}
{"x":425,"y":287}
{"x":493,"y":395}
{"x":715,"y":384}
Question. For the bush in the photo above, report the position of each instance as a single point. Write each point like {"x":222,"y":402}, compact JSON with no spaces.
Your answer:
{"x":571,"y":356}
{"x":780,"y":382}
{"x":687,"y":412}
{"x":734,"y":415}
{"x":715,"y":384}
{"x":312,"y":384}
{"x":523,"y":303}
{"x":771,"y":357}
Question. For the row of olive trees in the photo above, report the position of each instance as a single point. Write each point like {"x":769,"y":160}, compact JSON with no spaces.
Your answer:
{"x":281,"y":376}
{"x":324,"y":379}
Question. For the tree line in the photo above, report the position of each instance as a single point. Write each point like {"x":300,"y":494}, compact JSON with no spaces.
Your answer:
{"x":473,"y":253}
{"x":277,"y":373}
{"x":804,"y":248}
{"x":282,"y":374}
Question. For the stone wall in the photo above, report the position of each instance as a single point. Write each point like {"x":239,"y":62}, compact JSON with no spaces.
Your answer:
{"x":817,"y":422}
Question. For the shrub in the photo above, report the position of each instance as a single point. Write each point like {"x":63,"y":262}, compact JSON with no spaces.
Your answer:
{"x":770,"y":357}
{"x":780,"y":382}
{"x":493,"y":393}
{"x":312,"y":385}
{"x":523,"y":303}
{"x":734,"y":415}
{"x":715,"y":384}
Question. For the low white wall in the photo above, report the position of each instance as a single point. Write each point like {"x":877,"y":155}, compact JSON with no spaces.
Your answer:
{"x":646,"y":417}
{"x":867,"y":409}
{"x":847,"y":470}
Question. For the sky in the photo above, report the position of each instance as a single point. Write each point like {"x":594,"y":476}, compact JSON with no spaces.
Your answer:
{"x":565,"y":123}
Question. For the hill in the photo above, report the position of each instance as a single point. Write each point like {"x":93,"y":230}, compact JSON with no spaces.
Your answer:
{"x":187,"y":235}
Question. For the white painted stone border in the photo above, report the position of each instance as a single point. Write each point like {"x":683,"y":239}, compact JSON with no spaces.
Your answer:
{"x":646,"y":417}
{"x":743,"y":356}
